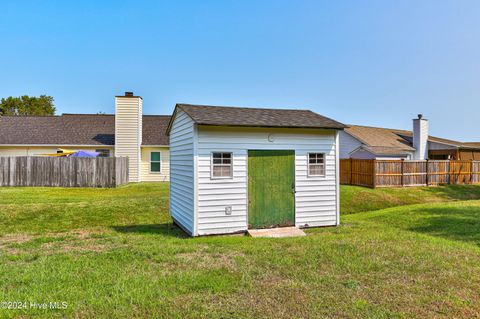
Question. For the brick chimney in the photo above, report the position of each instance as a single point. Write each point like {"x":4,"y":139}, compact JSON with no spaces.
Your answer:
{"x":128,"y":131}
{"x":420,"y":138}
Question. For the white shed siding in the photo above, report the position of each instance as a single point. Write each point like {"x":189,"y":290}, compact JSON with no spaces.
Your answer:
{"x":348,"y":144}
{"x":315,"y":199}
{"x":182,"y":191}
{"x":128,"y":133}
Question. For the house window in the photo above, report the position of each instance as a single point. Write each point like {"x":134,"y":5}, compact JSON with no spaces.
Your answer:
{"x":316,"y":164}
{"x":221,"y":165}
{"x":103,"y":152}
{"x":155,"y":164}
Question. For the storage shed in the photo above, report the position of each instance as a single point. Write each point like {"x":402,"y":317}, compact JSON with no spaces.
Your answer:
{"x":235,"y":168}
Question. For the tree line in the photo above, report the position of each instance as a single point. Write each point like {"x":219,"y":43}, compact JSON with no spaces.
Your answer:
{"x":27,"y":105}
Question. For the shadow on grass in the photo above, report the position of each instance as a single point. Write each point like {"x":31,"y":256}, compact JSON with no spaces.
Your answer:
{"x":456,"y":192}
{"x":456,"y":223}
{"x":165,"y":229}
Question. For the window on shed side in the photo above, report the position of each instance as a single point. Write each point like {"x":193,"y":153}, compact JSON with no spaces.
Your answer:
{"x":221,"y":165}
{"x":316,"y":164}
{"x":155,"y":162}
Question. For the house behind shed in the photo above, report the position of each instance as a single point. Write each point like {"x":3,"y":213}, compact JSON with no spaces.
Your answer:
{"x":238,"y":168}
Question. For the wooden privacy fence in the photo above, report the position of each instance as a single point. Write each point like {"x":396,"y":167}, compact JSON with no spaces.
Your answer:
{"x":63,"y":171}
{"x":400,"y":173}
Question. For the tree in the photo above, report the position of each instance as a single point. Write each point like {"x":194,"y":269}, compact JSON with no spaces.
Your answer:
{"x":27,"y":105}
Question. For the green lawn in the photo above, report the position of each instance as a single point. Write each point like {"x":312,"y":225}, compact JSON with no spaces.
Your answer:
{"x":356,"y":199}
{"x":113,"y":253}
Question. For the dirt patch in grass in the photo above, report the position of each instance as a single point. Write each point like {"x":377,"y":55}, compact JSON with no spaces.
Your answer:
{"x":14,"y":239}
{"x":81,"y":240}
{"x":202,"y":258}
{"x":270,"y":297}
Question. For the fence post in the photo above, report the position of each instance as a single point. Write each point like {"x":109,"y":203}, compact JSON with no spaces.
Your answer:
{"x":402,"y":177}
{"x":449,"y":172}
{"x":351,"y":171}
{"x":471,"y":171}
{"x":427,"y":180}
{"x":374,"y":173}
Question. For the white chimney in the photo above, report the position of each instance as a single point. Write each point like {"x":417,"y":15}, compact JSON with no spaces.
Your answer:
{"x":420,"y":138}
{"x":128,"y":132}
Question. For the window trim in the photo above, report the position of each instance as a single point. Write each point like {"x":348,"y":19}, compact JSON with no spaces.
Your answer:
{"x":159,"y":161}
{"x":231,"y":165}
{"x":101,"y":150}
{"x":324,"y":165}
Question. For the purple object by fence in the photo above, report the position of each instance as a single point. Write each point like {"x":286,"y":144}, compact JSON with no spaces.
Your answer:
{"x":85,"y":154}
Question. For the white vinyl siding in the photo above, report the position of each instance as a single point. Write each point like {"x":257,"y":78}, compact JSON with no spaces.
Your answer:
{"x":128,"y":133}
{"x":182,"y":173}
{"x":315,"y":198}
{"x":439,"y":146}
{"x":146,"y":174}
{"x":360,"y":153}
{"x":348,"y":144}
{"x":364,"y":154}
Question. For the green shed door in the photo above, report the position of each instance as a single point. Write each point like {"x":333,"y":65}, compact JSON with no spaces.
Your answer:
{"x":271,"y":178}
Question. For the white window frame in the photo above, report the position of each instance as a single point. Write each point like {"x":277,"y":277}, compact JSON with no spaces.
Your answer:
{"x":324,"y":165}
{"x":159,"y":161}
{"x":231,"y":166}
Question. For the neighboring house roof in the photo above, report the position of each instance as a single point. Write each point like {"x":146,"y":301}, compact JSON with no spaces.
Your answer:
{"x":471,"y":145}
{"x":409,"y":136}
{"x":257,"y":117}
{"x":75,"y":129}
{"x":380,"y":140}
{"x":386,"y":141}
{"x":154,"y":129}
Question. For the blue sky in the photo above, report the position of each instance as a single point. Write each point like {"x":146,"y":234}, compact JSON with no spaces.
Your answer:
{"x":360,"y":62}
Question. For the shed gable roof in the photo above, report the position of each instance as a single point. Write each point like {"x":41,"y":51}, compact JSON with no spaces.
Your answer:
{"x":257,"y":117}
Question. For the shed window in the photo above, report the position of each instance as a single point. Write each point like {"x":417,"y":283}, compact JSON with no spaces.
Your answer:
{"x":316,"y":164}
{"x":221,"y":165}
{"x":103,"y":152}
{"x":155,"y":162}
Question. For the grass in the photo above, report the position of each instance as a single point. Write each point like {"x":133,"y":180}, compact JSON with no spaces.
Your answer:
{"x":356,"y":199}
{"x":114,"y":253}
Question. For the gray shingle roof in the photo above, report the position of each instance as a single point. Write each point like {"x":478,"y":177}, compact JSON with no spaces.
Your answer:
{"x":260,"y":117}
{"x":75,"y":129}
{"x":154,"y":129}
